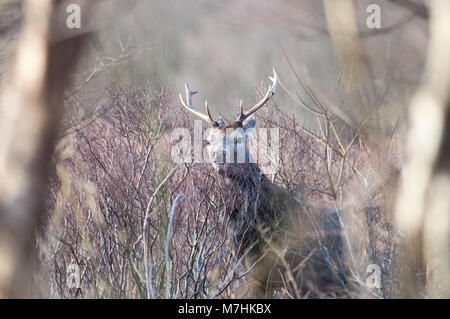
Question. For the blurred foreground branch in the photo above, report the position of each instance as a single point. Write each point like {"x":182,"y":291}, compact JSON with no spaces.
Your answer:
{"x":423,"y":206}
{"x":31,"y":103}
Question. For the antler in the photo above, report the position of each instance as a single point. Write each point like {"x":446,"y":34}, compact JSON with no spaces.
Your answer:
{"x":270,"y":92}
{"x":242,"y":115}
{"x":188,"y":105}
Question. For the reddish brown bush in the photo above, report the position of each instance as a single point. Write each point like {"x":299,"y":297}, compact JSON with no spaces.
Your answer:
{"x":140,"y":226}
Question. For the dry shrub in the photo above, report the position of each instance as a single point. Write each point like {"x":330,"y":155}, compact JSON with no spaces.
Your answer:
{"x":140,"y":226}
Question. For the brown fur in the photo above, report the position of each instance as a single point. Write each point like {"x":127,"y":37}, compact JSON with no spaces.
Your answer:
{"x":293,"y":247}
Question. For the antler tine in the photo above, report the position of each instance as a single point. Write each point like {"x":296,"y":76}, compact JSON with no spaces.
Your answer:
{"x":190,"y":108}
{"x":269,"y":94}
{"x":207,"y":112}
{"x":241,"y":109}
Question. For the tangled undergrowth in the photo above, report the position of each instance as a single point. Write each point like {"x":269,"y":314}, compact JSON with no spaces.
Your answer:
{"x":138,"y":225}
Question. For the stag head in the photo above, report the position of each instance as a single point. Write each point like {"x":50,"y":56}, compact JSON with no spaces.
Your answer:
{"x":227,"y":143}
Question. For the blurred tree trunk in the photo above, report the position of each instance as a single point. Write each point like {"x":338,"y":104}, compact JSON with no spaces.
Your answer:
{"x":423,"y":203}
{"x":31,"y":105}
{"x":356,"y":74}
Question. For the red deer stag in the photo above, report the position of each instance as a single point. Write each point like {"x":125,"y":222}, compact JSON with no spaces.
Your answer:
{"x":292,"y":247}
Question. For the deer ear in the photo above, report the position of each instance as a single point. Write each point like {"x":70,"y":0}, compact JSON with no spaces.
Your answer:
{"x":220,"y":122}
{"x":249,"y":123}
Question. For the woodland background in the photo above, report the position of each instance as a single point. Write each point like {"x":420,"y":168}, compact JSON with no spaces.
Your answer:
{"x":86,"y":114}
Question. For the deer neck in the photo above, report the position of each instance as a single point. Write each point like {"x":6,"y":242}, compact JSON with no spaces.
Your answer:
{"x":246,"y":176}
